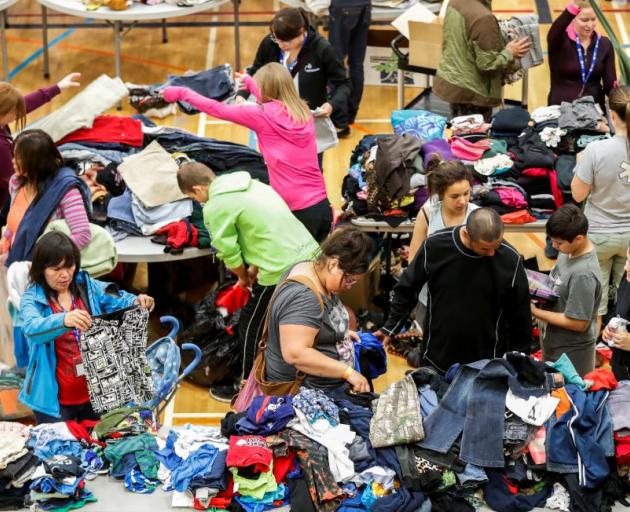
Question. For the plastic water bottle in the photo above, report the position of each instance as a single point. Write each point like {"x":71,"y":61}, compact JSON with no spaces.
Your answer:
{"x":617,"y":324}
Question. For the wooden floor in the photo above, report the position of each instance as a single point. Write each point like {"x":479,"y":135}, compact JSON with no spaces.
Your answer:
{"x":147,"y":60}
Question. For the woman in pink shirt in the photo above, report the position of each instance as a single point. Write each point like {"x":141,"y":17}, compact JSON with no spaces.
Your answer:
{"x":286,"y":136}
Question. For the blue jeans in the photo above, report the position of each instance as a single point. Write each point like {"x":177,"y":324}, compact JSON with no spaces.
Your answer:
{"x":482,"y":440}
{"x":444,"y":425}
{"x":348,"y":32}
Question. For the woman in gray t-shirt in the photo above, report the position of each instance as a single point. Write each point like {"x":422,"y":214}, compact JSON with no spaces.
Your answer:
{"x":304,"y":337}
{"x":602,"y":179}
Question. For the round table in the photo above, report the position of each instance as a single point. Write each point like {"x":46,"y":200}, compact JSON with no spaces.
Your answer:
{"x":140,"y":249}
{"x":128,"y":18}
{"x":4,"y":5}
{"x":379,"y":14}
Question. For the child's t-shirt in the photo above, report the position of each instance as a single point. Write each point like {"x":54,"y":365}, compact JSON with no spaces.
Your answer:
{"x":578,"y":281}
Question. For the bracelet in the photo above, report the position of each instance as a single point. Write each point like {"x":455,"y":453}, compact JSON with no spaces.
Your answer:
{"x":348,"y":372}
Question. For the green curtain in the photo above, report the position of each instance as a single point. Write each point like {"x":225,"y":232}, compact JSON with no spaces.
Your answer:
{"x":624,"y":60}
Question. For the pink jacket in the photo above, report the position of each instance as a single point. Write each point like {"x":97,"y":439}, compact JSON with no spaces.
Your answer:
{"x":289,"y":149}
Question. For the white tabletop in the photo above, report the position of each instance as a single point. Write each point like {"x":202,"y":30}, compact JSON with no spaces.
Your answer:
{"x":140,"y":249}
{"x":380,"y":226}
{"x":5,"y":4}
{"x":135,"y":12}
{"x":378,"y":13}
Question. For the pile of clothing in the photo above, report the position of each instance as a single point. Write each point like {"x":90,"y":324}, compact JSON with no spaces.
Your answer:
{"x":522,"y":164}
{"x":383,"y":181}
{"x":129,"y":165}
{"x":17,"y":464}
{"x":215,"y":83}
{"x":132,"y":178}
{"x":59,"y":484}
{"x":513,"y":432}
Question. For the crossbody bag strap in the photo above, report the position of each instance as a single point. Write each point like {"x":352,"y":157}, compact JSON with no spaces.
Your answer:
{"x":306,"y":281}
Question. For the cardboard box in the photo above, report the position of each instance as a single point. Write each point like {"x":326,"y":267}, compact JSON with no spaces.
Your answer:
{"x":424,"y":31}
{"x":425,"y":43}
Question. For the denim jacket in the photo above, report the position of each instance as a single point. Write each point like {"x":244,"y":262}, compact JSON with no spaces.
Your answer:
{"x":41,"y":327}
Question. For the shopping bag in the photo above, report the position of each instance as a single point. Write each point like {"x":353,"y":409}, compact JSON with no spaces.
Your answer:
{"x":248,"y":392}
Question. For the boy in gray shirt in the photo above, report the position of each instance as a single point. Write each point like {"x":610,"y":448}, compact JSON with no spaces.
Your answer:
{"x":572,"y":320}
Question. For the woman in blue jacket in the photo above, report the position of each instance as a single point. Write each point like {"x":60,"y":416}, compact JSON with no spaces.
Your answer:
{"x":59,"y":305}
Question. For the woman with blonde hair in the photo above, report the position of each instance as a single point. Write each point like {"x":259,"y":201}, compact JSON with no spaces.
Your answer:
{"x":286,"y":136}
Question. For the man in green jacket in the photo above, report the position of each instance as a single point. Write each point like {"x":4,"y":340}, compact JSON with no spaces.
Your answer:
{"x":256,"y":236}
{"x":474,"y":58}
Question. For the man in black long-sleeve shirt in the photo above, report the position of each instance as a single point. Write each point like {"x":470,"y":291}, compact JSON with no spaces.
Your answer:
{"x":478,"y":304}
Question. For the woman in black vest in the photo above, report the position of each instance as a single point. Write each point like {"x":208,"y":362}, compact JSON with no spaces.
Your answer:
{"x":321,"y":77}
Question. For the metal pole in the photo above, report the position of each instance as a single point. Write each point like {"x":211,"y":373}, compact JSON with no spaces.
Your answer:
{"x":45,"y":41}
{"x":3,"y":35}
{"x":237,"y":36}
{"x":117,"y":38}
{"x":401,"y":89}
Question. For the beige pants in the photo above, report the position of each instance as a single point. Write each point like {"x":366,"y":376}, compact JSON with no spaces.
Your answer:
{"x":611,"y":253}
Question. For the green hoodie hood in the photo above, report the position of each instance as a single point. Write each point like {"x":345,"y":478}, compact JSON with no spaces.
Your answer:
{"x":234,"y":182}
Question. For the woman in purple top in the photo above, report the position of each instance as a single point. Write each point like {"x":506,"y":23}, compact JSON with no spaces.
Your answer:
{"x":581,"y":61}
{"x":13,"y":108}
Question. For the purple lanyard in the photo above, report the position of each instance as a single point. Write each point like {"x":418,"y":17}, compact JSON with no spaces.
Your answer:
{"x":580,"y":52}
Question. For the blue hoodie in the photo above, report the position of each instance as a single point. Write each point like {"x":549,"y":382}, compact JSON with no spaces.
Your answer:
{"x":41,"y":327}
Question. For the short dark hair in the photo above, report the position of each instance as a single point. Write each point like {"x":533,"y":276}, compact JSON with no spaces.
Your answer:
{"x":441,"y":174}
{"x":352,"y":247}
{"x":190,"y":174}
{"x":288,"y":23}
{"x":38,"y":158}
{"x":51,"y":250}
{"x":566,"y":223}
{"x":484,"y":225}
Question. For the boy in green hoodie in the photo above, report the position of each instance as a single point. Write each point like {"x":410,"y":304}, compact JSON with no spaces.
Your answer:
{"x":255,"y":235}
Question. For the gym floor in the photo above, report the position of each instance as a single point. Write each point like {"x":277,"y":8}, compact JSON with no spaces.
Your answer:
{"x":145,"y":59}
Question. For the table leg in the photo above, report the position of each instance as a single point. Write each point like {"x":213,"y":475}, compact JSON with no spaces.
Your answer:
{"x":164,"y":32}
{"x":45,"y":41}
{"x":237,"y":36}
{"x":401,"y":89}
{"x":117,"y":39}
{"x":3,"y":36}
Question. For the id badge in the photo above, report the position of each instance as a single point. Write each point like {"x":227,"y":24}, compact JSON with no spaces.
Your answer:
{"x":79,"y":369}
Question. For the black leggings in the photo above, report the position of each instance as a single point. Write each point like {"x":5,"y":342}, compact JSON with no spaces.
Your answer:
{"x":69,"y":412}
{"x":317,"y":219}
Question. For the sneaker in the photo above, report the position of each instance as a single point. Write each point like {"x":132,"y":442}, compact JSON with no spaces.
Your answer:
{"x":343,"y":132}
{"x":550,"y":251}
{"x":224,"y":392}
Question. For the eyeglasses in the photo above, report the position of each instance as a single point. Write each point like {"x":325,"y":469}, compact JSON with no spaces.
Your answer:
{"x":346,"y":279}
{"x":280,"y":41}
{"x":349,"y":281}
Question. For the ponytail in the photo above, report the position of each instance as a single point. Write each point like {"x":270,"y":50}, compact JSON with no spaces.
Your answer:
{"x":441,"y":174}
{"x":619,"y":99}
{"x":289,"y":23}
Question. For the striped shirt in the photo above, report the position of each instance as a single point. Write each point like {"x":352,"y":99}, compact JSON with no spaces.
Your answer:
{"x":71,"y":208}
